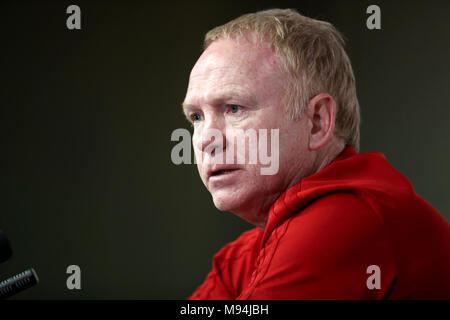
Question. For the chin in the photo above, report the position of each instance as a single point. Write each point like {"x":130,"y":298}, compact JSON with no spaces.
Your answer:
{"x":236,"y":207}
{"x":222,"y":204}
{"x":227,"y":203}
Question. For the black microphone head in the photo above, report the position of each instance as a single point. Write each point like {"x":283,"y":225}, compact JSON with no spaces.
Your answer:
{"x":5,"y":248}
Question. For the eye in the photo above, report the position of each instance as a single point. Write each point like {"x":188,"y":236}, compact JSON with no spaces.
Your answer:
{"x":196,"y":117}
{"x":234,"y":108}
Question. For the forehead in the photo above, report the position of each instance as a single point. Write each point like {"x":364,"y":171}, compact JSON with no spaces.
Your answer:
{"x":230,"y":67}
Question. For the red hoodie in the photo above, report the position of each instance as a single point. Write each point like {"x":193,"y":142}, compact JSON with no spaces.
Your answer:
{"x":324,"y":233}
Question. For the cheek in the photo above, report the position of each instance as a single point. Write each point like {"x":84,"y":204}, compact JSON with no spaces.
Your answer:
{"x":197,"y":153}
{"x":293,"y":134}
{"x":195,"y":144}
{"x":198,"y":159}
{"x":195,"y":137}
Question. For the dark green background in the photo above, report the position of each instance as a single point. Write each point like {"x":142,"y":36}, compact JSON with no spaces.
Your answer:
{"x":86,"y":119}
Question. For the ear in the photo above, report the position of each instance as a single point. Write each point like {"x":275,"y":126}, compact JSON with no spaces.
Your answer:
{"x":321,"y":112}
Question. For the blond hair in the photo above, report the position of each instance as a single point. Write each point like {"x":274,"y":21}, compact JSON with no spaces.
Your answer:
{"x":312,"y":53}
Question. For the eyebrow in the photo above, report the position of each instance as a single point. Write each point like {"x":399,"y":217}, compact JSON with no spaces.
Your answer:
{"x":186,"y":106}
{"x":223,"y":96}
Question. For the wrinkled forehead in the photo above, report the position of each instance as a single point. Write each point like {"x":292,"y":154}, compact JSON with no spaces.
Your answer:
{"x":236,"y":63}
{"x":239,"y":53}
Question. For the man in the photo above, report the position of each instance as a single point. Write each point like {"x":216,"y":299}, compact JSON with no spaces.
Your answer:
{"x":331,"y":223}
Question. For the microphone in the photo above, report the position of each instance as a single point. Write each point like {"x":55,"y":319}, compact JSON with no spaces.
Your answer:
{"x":18,"y":283}
{"x":5,"y":248}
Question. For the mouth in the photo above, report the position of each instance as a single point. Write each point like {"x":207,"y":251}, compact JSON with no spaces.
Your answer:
{"x":222,"y":172}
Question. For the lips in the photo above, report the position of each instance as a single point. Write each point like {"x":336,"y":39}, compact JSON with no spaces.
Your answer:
{"x":221,"y":171}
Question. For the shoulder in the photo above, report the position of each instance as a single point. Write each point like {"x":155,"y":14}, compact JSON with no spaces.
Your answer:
{"x":243,"y":245}
{"x":325,"y":251}
{"x":230,"y":268}
{"x":340,"y":221}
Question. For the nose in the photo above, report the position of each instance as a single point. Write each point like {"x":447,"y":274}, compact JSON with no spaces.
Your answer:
{"x":210,"y":136}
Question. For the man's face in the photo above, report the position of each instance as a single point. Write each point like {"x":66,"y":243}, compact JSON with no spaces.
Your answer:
{"x":238,"y":85}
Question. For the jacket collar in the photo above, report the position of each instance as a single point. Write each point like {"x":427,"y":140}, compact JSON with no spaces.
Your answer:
{"x":296,"y":197}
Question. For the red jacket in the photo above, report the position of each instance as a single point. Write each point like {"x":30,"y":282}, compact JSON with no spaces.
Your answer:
{"x":324,"y":232}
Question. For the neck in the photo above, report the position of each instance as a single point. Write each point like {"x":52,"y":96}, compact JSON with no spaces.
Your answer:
{"x":326,"y":155}
{"x":322,"y":158}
